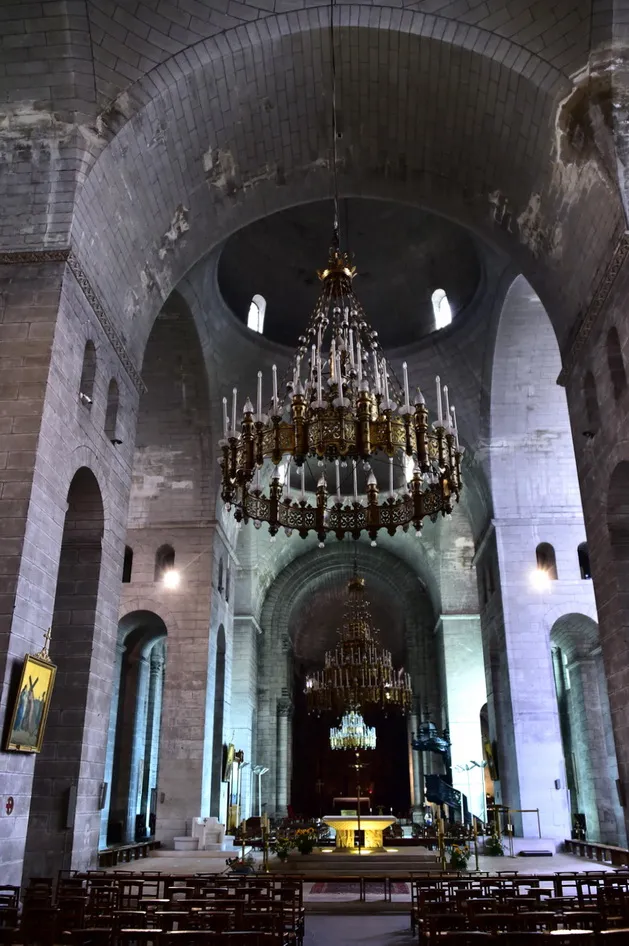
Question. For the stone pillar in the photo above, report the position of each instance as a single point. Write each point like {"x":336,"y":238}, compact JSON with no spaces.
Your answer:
{"x":151,"y":744}
{"x":596,"y":790}
{"x":111,"y":743}
{"x":416,"y":768}
{"x":138,"y":746}
{"x":466,"y":693}
{"x":284,"y":713}
{"x":244,"y":697}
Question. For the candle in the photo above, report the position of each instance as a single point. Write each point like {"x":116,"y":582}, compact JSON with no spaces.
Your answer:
{"x":297,"y":372}
{"x":332,"y":359}
{"x":225,"y":419}
{"x":439,"y":409}
{"x":447,"y":400}
{"x":407,"y":397}
{"x":454,"y":425}
{"x":234,"y":398}
{"x":338,"y":480}
{"x":391,"y":475}
{"x":259,"y":395}
{"x":351,"y":348}
{"x":303,"y":481}
{"x":355,"y":476}
{"x":339,"y":376}
{"x":313,"y":364}
{"x":359,"y":361}
{"x":275,"y":388}
{"x":385,"y":379}
{"x":376,"y":371}
{"x":319,"y":379}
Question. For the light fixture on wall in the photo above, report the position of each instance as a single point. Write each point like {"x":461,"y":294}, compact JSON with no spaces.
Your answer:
{"x":358,"y":672}
{"x":353,"y":733}
{"x":340,"y":408}
{"x":171,"y":579}
{"x":540,"y":579}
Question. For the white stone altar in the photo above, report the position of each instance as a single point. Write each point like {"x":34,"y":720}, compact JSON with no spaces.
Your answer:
{"x":372,"y":825}
{"x":210,"y":833}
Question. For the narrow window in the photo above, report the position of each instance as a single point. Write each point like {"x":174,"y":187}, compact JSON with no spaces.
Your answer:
{"x":164,"y":561}
{"x":227,"y":583}
{"x":88,"y":374}
{"x":546,"y":560}
{"x":616,"y":363}
{"x":584,"y":560}
{"x":591,"y":403}
{"x":255,"y":319}
{"x":220,"y":576}
{"x":111,"y":415}
{"x":127,"y":565}
{"x":441,"y":308}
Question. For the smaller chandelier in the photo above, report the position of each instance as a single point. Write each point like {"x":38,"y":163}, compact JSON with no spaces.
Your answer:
{"x":358,"y":672}
{"x":353,"y":733}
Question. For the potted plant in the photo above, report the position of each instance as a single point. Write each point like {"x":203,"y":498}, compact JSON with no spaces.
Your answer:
{"x":305,"y":840}
{"x":459,"y":856}
{"x":282,"y":848}
{"x":493,"y":845}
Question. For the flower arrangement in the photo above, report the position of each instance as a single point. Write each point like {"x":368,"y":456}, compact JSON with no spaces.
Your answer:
{"x":239,"y":865}
{"x":305,"y":840}
{"x":459,"y":856}
{"x":493,"y":845}
{"x":282,"y":848}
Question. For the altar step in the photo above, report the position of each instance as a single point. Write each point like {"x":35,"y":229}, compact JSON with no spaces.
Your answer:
{"x":413,"y":861}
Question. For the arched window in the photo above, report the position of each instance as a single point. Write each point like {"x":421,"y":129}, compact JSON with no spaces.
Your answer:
{"x":591,"y":403}
{"x":441,"y":308}
{"x":255,"y":319}
{"x":111,"y":415}
{"x":164,"y":561}
{"x":616,"y":363}
{"x":127,"y":565}
{"x":227,"y":583}
{"x":88,"y":374}
{"x":584,"y":560}
{"x":546,"y":561}
{"x":220,"y":576}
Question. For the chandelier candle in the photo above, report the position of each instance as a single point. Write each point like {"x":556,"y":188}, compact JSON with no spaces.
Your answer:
{"x":348,"y":407}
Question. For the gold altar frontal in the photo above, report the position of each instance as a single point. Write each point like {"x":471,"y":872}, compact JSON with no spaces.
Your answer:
{"x":346,"y":825}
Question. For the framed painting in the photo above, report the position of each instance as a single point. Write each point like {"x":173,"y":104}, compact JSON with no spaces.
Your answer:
{"x":28,"y":721}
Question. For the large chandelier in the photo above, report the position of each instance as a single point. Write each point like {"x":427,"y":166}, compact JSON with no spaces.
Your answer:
{"x":358,"y":672}
{"x":353,"y":733}
{"x":339,"y":409}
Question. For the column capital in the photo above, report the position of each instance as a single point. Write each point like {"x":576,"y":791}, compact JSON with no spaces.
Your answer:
{"x":284,"y":708}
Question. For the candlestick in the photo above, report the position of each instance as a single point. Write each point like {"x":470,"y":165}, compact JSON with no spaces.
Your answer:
{"x":234,"y":398}
{"x":355,"y":477}
{"x":359,"y":361}
{"x":391,"y":475}
{"x":385,"y":378}
{"x":439,"y":408}
{"x":454,"y":425}
{"x":297,"y":366}
{"x":319,"y":377}
{"x":332,"y":360}
{"x":407,"y":397}
{"x":376,"y":371}
{"x":447,"y":400}
{"x":259,"y":395}
{"x":225,"y":419}
{"x":303,"y":480}
{"x":339,"y":376}
{"x":338,"y":480}
{"x":275,"y":389}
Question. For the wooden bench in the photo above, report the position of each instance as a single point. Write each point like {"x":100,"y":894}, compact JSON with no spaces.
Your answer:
{"x":123,"y":853}
{"x":616,"y":856}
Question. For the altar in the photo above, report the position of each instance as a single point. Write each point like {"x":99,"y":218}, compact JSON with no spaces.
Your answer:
{"x":371,"y":825}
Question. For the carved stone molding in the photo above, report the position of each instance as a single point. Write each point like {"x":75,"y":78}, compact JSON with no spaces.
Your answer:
{"x":25,"y":257}
{"x":284,"y":708}
{"x":106,"y":324}
{"x":596,"y":306}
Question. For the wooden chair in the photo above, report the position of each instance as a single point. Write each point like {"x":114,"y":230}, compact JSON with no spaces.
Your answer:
{"x":141,"y":937}
{"x":99,"y":936}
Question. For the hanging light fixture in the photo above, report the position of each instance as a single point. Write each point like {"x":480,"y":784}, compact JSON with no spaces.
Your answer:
{"x":353,"y":733}
{"x":358,"y":673}
{"x":340,"y":408}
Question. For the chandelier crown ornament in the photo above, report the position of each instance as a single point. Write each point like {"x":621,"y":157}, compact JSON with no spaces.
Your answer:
{"x":340,"y":409}
{"x":353,"y":733}
{"x":358,"y":673}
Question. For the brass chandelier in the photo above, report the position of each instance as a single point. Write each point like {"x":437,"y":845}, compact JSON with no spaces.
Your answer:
{"x":358,"y":673}
{"x":340,"y":408}
{"x":353,"y":733}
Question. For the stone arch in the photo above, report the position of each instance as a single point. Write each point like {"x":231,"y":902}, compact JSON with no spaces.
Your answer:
{"x":57,"y":788}
{"x":199,"y":208}
{"x":132,"y":758}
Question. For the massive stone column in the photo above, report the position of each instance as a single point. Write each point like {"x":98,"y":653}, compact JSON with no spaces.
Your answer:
{"x":465,"y":690}
{"x":244,"y":698}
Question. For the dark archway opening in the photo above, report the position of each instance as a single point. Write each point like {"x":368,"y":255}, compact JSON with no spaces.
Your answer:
{"x":546,"y":561}
{"x":217,"y":727}
{"x":57,"y":787}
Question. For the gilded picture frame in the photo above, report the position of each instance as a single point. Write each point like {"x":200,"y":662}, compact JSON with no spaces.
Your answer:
{"x":31,"y":705}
